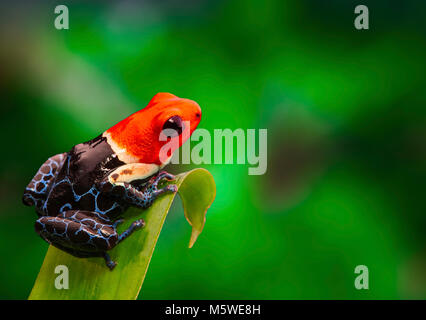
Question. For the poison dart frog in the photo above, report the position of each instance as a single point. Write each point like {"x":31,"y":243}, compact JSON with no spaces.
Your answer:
{"x":80,"y":195}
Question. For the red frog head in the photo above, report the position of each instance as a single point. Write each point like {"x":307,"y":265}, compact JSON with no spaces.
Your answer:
{"x":140,"y":138}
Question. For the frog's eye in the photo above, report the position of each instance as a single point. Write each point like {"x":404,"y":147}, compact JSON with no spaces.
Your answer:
{"x":173,"y":127}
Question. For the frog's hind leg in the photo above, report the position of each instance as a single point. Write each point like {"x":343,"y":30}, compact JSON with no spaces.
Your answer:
{"x":36,"y":191}
{"x":83,"y":233}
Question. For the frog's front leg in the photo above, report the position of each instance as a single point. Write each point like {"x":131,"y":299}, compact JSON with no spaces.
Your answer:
{"x":83,"y":233}
{"x":123,"y":176}
{"x":145,"y":197}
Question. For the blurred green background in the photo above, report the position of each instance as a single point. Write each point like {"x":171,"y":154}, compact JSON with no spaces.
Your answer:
{"x":344,"y":109}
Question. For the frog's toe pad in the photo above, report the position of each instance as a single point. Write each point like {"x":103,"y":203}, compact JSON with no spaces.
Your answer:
{"x":111,"y":264}
{"x":139,"y":224}
{"x":172,"y":187}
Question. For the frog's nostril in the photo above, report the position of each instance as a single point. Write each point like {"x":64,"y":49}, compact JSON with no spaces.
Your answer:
{"x":198,"y":115}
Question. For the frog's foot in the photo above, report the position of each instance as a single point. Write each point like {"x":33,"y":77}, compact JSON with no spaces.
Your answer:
{"x":110,"y":264}
{"x":144,"y":198}
{"x":160,"y":176}
{"x":138,"y":224}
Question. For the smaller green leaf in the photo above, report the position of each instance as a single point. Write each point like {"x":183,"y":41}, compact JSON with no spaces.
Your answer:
{"x":194,"y":199}
{"x":89,"y":278}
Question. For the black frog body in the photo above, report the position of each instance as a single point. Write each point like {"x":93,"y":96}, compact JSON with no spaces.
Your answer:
{"x":77,"y":204}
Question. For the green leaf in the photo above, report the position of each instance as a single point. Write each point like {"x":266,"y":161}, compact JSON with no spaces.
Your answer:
{"x":89,"y":278}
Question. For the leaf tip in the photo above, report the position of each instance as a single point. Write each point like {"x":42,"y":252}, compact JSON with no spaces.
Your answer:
{"x":194,"y":235}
